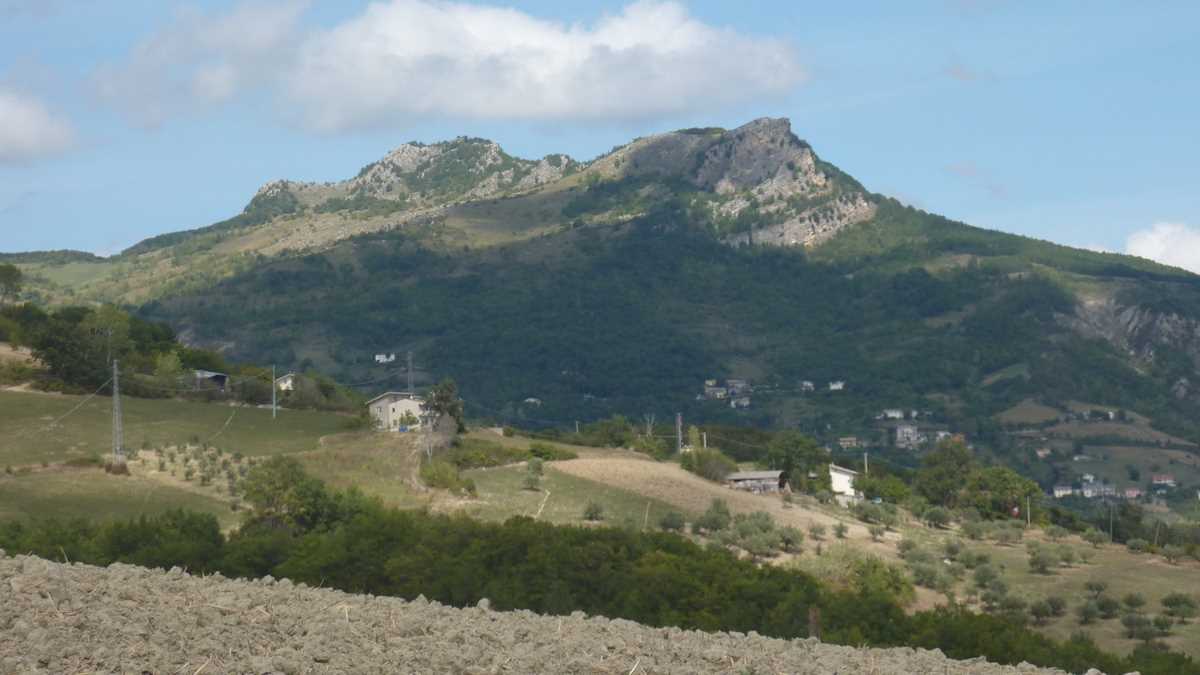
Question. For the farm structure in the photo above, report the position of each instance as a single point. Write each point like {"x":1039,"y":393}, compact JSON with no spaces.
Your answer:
{"x":756,"y":481}
{"x":395,"y":411}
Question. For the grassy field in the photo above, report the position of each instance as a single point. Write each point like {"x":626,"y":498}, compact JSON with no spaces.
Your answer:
{"x":93,"y":494}
{"x":501,"y":496}
{"x":1111,"y":462}
{"x":383,"y":465}
{"x":25,"y":436}
{"x":1029,"y":412}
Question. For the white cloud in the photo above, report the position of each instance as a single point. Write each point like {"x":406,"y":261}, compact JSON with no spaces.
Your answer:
{"x":405,"y":60}
{"x":203,"y":59}
{"x":28,"y":130}
{"x":1172,"y":244}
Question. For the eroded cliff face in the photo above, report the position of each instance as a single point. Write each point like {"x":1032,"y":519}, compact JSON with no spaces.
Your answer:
{"x":1142,"y":333}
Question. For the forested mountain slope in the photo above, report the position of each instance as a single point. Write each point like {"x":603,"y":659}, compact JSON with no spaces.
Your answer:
{"x":622,"y":284}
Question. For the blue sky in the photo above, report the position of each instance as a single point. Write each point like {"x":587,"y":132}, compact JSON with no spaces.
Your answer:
{"x":1068,"y":121}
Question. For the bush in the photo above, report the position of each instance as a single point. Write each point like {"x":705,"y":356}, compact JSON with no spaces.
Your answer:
{"x":877,"y":532}
{"x":1137,"y":545}
{"x":1180,"y":606}
{"x":1055,"y":532}
{"x":593,"y":512}
{"x":1058,"y":605}
{"x":1041,"y":611}
{"x":709,"y":463}
{"x":791,"y":539}
{"x":531,"y":482}
{"x":816,"y":531}
{"x":1095,"y":587}
{"x":1109,"y":607}
{"x":840,"y":530}
{"x":550,"y":453}
{"x":985,"y":575}
{"x":1088,"y":612}
{"x":936,"y":517}
{"x":444,"y":475}
{"x":1134,"y":602}
{"x":1041,"y":561}
{"x":715,"y":518}
{"x":535,"y":466}
{"x":671,"y":521}
{"x":974,"y":530}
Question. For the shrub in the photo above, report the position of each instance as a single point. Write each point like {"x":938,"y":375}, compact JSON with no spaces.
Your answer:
{"x":671,"y":521}
{"x":926,"y":575}
{"x":1135,"y":624}
{"x":715,"y":518}
{"x":1088,"y":612}
{"x":594,"y":512}
{"x":1066,"y":555}
{"x":1041,"y":560}
{"x":1137,"y":545}
{"x":974,"y":530}
{"x":816,"y":531}
{"x":550,"y":453}
{"x":1172,"y":553}
{"x":1058,"y":605}
{"x":1041,"y":611}
{"x":1095,"y":587}
{"x":952,"y":548}
{"x":791,"y":539}
{"x":1180,"y":606}
{"x":710,"y":463}
{"x":444,"y":475}
{"x":1163,"y":624}
{"x":984,"y":575}
{"x":1134,"y":602}
{"x":937,"y":517}
{"x":840,"y":530}
{"x":877,"y":532}
{"x":1109,"y":607}
{"x":1056,"y":532}
{"x":531,"y":482}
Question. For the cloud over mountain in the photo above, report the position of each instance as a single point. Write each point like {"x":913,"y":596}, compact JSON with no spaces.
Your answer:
{"x":29,"y":130}
{"x":1172,"y":244}
{"x":405,"y":60}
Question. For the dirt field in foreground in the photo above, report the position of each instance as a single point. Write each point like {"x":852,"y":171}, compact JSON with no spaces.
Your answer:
{"x":57,"y":618}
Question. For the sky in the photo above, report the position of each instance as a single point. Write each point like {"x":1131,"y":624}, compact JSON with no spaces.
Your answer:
{"x":1067,"y":121}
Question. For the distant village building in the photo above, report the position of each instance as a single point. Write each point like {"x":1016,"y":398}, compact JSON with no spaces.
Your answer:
{"x":941,"y":435}
{"x":756,"y":481}
{"x":807,"y":385}
{"x":908,"y":436}
{"x":739,"y":402}
{"x":1088,"y":478}
{"x":1061,"y":491}
{"x":736,"y":387}
{"x":1163,"y":480}
{"x":1133,"y":493}
{"x":535,"y":402}
{"x":1042,"y":453}
{"x":710,"y":383}
{"x":848,"y":442}
{"x":837,"y":385}
{"x":286,"y":382}
{"x":385,"y":358}
{"x":715,"y":393}
{"x":395,"y":411}
{"x":841,"y":483}
{"x":892,"y":414}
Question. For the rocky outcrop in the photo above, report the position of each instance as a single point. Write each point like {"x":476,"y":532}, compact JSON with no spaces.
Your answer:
{"x":1138,"y":331}
{"x":810,"y":227}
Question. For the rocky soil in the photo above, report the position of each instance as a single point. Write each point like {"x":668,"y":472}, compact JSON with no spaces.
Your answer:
{"x":59,"y":618}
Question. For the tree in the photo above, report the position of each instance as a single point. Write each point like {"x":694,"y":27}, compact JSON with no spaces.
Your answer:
{"x":1109,"y":607}
{"x":1041,"y":560}
{"x":1087,"y":612}
{"x":877,"y":532}
{"x":1134,"y":602}
{"x":282,"y":494}
{"x":1041,"y":611}
{"x":10,"y":283}
{"x":443,"y":400}
{"x":594,"y":511}
{"x":797,"y":456}
{"x":940,"y":477}
{"x":937,"y":517}
{"x":1180,"y":606}
{"x":840,"y":530}
{"x":995,"y":490}
{"x":69,"y":353}
{"x":671,"y":521}
{"x":1095,"y":537}
{"x":715,"y":518}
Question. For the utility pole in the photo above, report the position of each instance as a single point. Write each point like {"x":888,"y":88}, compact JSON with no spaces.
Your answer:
{"x":118,"y":433}
{"x":678,"y":433}
{"x":649,"y":419}
{"x":704,"y":439}
{"x":866,"y":465}
{"x":274,"y":401}
{"x":1028,"y":511}
{"x":410,"y":375}
{"x":1110,"y":522}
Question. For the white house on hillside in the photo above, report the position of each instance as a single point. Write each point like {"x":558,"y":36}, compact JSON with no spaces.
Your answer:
{"x":395,"y":411}
{"x":841,"y":482}
{"x":286,"y":382}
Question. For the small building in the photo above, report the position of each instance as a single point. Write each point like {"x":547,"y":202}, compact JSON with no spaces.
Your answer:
{"x":385,"y":358}
{"x":841,"y":483}
{"x":286,"y":382}
{"x":908,"y":436}
{"x":736,"y":387}
{"x":395,"y":411}
{"x":207,"y":379}
{"x":941,"y":435}
{"x":1163,"y":480}
{"x":1133,"y":493}
{"x":848,"y":442}
{"x":715,"y":393}
{"x":807,"y":385}
{"x":1088,"y":478}
{"x":710,"y":383}
{"x":837,"y":385}
{"x":756,"y":481}
{"x":1042,"y":453}
{"x":892,"y":414}
{"x":739,"y":402}
{"x":1061,"y":491}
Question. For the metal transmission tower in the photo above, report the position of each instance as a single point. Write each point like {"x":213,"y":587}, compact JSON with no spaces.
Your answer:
{"x":118,"y":433}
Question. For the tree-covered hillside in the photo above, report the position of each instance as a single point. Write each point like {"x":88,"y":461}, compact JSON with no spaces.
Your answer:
{"x":633,"y":317}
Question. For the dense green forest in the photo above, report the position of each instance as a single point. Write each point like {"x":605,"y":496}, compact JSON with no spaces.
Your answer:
{"x":300,"y":530}
{"x":632,"y":318}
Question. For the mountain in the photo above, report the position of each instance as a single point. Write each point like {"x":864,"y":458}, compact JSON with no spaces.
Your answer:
{"x":554,"y":289}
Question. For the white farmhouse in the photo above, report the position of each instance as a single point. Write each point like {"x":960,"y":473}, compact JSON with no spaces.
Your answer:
{"x":837,"y":385}
{"x":841,"y":482}
{"x":286,"y":382}
{"x":395,"y":411}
